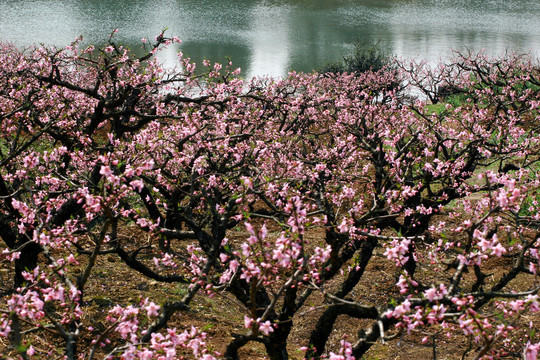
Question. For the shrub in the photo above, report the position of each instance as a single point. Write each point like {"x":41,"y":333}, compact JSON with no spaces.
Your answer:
{"x":367,"y":56}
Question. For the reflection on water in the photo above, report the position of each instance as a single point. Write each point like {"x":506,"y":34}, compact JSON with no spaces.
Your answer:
{"x":274,"y":36}
{"x":269,"y":40}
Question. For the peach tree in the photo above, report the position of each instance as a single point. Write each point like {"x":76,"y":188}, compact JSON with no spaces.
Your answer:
{"x":281,"y":194}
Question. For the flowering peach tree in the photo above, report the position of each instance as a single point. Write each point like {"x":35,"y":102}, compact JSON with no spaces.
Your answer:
{"x":280,"y":194}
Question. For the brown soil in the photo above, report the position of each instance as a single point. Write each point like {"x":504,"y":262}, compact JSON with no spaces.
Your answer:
{"x":114,"y":283}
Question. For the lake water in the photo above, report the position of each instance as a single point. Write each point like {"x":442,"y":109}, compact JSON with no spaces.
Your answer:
{"x":274,"y":36}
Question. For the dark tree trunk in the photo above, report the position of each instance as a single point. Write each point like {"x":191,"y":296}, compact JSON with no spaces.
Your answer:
{"x":277,"y":350}
{"x":27,"y":261}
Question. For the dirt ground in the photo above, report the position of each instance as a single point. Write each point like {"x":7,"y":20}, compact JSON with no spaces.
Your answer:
{"x":114,"y":283}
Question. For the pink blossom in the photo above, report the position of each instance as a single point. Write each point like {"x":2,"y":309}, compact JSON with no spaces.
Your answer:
{"x":431,"y":294}
{"x":531,"y":351}
{"x":266,"y":327}
{"x":137,"y":185}
{"x":152,"y":309}
{"x":31,"y":351}
{"x":105,"y":171}
{"x":247,"y":322}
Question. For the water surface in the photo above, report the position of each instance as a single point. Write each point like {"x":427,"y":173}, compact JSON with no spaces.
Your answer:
{"x":275,"y":36}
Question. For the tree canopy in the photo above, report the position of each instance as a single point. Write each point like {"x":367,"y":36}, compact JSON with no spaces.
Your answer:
{"x":279,"y":194}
